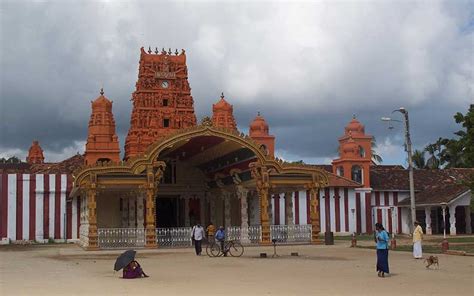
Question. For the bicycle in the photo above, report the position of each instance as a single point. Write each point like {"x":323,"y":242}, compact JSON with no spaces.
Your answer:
{"x":234,"y":248}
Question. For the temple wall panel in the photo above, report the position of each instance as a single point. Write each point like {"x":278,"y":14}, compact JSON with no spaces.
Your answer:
{"x":108,"y":211}
{"x":33,"y":207}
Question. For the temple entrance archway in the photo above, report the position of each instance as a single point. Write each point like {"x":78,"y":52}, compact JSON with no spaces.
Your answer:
{"x":196,"y":175}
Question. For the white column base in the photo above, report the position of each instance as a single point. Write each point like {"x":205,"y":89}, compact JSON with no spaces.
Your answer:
{"x":429,"y":231}
{"x":452,"y":220}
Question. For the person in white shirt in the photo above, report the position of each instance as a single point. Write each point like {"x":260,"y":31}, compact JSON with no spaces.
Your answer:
{"x":197,"y":236}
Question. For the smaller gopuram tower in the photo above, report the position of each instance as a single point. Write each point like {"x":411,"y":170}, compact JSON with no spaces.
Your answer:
{"x":355,"y":154}
{"x":35,"y":154}
{"x":102,"y":141}
{"x":162,"y":101}
{"x":222,"y":114}
{"x":259,"y":131}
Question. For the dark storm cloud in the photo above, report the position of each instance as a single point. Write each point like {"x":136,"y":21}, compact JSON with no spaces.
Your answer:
{"x":307,"y":67}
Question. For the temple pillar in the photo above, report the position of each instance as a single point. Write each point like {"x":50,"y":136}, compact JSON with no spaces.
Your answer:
{"x":227,"y":209}
{"x":151,"y":187}
{"x":264,"y":216}
{"x":187,"y":221}
{"x":132,"y":211}
{"x":140,"y":212}
{"x":262,"y":180}
{"x":202,"y":209}
{"x":150,"y":226}
{"x":212,"y":209}
{"x":270,"y":209}
{"x":452,"y":220}
{"x":289,"y":208}
{"x":244,"y":222}
{"x":429,"y":231}
{"x":84,"y":225}
{"x":314,"y":213}
{"x":467,"y":212}
{"x":93,"y":243}
{"x":124,"y":201}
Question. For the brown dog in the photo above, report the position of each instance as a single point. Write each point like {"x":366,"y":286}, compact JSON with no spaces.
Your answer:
{"x":432,"y":260}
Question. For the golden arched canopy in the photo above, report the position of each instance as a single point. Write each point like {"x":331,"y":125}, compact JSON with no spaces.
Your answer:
{"x":151,"y":158}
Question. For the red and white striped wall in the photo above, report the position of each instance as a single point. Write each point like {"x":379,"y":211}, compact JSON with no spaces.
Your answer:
{"x":33,"y":207}
{"x":344,"y":210}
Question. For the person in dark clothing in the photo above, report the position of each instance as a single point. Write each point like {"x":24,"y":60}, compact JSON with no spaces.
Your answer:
{"x":133,"y":270}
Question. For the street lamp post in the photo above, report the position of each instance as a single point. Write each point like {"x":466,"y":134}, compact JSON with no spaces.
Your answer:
{"x":410,"y":161}
{"x":393,"y":242}
{"x":444,"y":244}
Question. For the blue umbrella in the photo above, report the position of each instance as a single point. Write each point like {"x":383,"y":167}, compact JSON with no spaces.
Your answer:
{"x":124,"y":259}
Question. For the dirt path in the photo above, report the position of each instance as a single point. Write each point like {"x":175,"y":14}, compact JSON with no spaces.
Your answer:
{"x":320,"y":270}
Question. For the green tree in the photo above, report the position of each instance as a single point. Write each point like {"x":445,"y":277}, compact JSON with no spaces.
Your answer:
{"x":375,"y":157}
{"x":12,"y":159}
{"x":419,"y":159}
{"x":457,"y":152}
{"x":433,"y":161}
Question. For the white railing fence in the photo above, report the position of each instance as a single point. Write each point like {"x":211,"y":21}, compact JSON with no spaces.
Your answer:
{"x":120,"y":238}
{"x":175,"y":237}
{"x":291,"y":233}
{"x":249,"y":235}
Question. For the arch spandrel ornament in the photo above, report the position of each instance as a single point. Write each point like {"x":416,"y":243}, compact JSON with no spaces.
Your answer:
{"x":139,"y":164}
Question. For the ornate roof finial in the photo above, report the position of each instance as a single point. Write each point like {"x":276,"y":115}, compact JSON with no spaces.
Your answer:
{"x":222,"y":95}
{"x":101,"y":91}
{"x":169,"y":51}
{"x":149,"y":49}
{"x":176,"y":51}
{"x":353,"y":116}
{"x":156,"y":50}
{"x":258,"y":113}
{"x":163,"y":51}
{"x":183,"y":51}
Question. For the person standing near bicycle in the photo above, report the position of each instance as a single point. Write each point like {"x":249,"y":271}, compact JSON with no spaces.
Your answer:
{"x":197,"y":235}
{"x":211,"y":231}
{"x":220,"y":237}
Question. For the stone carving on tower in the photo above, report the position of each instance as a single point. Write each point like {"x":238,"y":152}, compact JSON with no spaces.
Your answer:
{"x":35,"y":154}
{"x":222,"y":114}
{"x":355,"y":153}
{"x":102,"y":141}
{"x":259,"y":131}
{"x":162,"y":101}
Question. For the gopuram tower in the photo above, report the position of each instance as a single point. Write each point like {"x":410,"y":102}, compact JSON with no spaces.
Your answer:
{"x":162,"y":101}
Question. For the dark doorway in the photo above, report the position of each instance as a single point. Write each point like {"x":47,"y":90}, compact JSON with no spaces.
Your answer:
{"x":166,"y":211}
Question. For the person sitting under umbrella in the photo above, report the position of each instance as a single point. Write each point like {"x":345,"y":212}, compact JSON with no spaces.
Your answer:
{"x":131,"y":268}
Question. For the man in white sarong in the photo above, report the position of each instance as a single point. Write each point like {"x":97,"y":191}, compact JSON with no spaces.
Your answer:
{"x":417,"y":238}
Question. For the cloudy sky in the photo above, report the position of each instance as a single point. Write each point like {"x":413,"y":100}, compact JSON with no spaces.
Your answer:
{"x":306,"y":66}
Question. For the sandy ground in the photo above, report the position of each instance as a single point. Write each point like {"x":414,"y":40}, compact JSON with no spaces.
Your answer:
{"x":319,"y":270}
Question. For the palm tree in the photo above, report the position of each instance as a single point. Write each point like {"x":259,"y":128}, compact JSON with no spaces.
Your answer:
{"x":419,"y":159}
{"x":433,"y":161}
{"x":375,"y":157}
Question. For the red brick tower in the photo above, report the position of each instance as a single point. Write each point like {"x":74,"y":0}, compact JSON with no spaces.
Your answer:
{"x":355,"y":154}
{"x":35,"y":154}
{"x":102,"y":142}
{"x":259,"y":131}
{"x":222,"y":114}
{"x":162,"y":101}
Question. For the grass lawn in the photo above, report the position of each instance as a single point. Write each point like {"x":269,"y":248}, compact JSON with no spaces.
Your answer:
{"x":469,"y":239}
{"x":363,"y":237}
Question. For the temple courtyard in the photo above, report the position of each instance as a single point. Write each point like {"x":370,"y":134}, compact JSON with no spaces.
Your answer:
{"x":59,"y":269}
